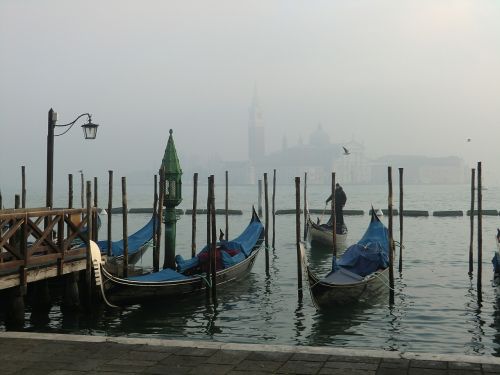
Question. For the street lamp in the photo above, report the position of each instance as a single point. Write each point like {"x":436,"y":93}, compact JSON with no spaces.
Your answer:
{"x":89,"y":131}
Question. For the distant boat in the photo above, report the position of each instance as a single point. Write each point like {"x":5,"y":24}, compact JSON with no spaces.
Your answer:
{"x":360,"y":274}
{"x":323,"y":233}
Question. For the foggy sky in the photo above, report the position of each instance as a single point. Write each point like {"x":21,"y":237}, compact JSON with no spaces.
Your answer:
{"x":402,"y":77}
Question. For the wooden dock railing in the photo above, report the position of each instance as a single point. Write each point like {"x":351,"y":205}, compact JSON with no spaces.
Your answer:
{"x":38,"y":243}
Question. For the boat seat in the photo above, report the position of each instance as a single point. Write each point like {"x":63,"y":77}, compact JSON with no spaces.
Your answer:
{"x":342,"y":276}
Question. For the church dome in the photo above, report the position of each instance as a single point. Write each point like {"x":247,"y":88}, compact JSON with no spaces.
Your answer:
{"x":319,"y":137}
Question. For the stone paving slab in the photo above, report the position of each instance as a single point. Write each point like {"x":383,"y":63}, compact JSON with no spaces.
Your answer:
{"x":57,"y":354}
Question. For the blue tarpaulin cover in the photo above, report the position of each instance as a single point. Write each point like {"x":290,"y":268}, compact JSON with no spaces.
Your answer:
{"x":135,"y":241}
{"x":370,"y":253}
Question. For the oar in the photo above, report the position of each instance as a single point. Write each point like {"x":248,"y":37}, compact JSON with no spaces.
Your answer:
{"x":324,"y":209}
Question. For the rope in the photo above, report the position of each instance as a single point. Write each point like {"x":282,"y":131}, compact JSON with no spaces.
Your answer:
{"x":207,"y":281}
{"x":383,"y":281}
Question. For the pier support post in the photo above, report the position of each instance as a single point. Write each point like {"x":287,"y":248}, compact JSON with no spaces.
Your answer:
{"x":40,"y":295}
{"x":71,"y":296}
{"x":14,"y":314}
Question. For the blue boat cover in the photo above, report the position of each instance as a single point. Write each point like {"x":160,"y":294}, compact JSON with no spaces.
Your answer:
{"x":370,"y":253}
{"x":164,"y":275}
{"x":135,"y":241}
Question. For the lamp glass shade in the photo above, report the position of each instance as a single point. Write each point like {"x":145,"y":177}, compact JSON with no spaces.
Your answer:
{"x":90,"y":130}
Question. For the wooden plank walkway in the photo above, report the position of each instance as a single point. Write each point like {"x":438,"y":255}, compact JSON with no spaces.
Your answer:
{"x":58,"y":354}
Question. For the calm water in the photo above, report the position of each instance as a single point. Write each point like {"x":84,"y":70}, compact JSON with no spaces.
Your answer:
{"x":436,"y":307}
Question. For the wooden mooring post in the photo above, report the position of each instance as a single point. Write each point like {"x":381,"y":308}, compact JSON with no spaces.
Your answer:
{"x":391,"y":238}
{"x":334,"y":219}
{"x":23,"y":187}
{"x":401,"y":220}
{"x":209,"y":244}
{"x":213,"y":257}
{"x":305,"y":205}
{"x":259,"y":198}
{"x":274,"y":207}
{"x":70,"y":198}
{"x":82,"y":189}
{"x":472,"y":199}
{"x":226,"y":206}
{"x":297,"y":238}
{"x":70,"y":190}
{"x":266,"y":227}
{"x":88,"y":270}
{"x":193,"y":215}
{"x":479,"y":233}
{"x":110,"y":208}
{"x":208,"y":214}
{"x":95,"y":214}
{"x":156,"y":259}
{"x":124,"y":227}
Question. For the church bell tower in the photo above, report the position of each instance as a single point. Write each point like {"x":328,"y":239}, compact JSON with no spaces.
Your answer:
{"x":256,"y":139}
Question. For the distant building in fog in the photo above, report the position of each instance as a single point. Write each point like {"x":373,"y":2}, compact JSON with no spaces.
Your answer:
{"x":256,"y":134}
{"x":319,"y":157}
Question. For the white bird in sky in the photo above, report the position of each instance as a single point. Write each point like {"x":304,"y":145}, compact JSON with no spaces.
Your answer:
{"x":346,"y":151}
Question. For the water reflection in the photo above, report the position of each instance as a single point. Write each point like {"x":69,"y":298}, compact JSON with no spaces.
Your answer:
{"x":333,"y":325}
{"x":496,"y":321}
{"x":299,"y":326}
{"x":473,"y":307}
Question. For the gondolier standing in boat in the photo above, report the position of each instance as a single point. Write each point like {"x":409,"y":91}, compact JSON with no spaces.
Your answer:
{"x":340,"y":201}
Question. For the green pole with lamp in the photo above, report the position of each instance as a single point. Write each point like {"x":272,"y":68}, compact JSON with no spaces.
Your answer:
{"x":173,"y":197}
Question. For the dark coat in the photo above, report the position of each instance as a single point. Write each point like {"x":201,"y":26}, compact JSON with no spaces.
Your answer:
{"x":340,"y":197}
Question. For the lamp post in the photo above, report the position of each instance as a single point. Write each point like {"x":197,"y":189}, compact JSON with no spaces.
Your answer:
{"x":89,"y":131}
{"x":173,"y":197}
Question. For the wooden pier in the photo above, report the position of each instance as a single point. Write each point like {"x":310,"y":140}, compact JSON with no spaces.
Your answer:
{"x":37,"y":244}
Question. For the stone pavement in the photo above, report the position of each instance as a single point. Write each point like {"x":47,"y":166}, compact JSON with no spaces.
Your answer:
{"x":57,"y":354}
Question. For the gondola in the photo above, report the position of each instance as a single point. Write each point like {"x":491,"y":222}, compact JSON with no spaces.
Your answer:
{"x":359,"y":275}
{"x":235,"y":259}
{"x":138,"y":243}
{"x":322,"y":234}
{"x":496,"y":260}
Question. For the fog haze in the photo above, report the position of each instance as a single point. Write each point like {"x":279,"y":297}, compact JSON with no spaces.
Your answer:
{"x":400,"y":77}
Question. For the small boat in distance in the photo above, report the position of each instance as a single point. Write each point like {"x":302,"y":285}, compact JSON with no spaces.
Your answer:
{"x":322,"y":234}
{"x":234,"y":261}
{"x":360,"y":274}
